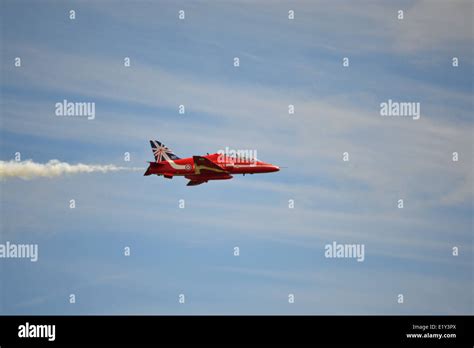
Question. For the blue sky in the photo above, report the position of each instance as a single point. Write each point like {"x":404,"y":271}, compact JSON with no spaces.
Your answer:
{"x":282,"y":62}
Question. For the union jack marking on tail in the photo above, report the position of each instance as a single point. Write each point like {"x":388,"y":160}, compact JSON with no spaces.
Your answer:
{"x":161,"y":152}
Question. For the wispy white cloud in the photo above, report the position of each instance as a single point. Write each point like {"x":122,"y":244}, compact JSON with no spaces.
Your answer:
{"x":371,"y":26}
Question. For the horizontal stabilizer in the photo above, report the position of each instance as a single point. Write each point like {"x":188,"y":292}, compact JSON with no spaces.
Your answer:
{"x":151,"y":166}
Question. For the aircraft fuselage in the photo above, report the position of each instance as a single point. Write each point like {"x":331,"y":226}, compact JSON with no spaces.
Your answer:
{"x":201,"y":169}
{"x":186,"y":166}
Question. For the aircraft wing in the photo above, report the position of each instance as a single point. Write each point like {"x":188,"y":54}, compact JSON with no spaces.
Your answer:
{"x":202,"y":165}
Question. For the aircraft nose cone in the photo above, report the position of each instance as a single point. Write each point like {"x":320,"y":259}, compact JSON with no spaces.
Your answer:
{"x":275,"y":168}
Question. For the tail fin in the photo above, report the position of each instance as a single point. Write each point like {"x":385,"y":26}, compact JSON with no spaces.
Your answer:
{"x":161,"y":152}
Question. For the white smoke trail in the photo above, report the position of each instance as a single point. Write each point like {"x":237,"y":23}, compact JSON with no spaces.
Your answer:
{"x":29,"y":169}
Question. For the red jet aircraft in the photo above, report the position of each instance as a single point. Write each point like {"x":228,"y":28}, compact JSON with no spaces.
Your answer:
{"x":201,"y":169}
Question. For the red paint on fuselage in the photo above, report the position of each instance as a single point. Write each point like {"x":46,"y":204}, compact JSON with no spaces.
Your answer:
{"x":185,"y":167}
